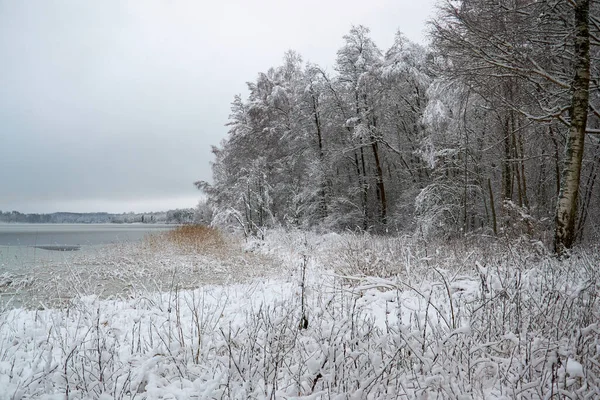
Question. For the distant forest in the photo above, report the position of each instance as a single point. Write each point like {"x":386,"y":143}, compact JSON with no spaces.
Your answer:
{"x":179,"y":216}
{"x":482,"y":132}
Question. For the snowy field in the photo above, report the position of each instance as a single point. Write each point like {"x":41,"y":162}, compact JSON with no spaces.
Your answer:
{"x":309,"y":316}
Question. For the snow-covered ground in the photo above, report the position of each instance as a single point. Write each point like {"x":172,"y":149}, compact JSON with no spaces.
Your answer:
{"x":310,"y":316}
{"x":124,"y":270}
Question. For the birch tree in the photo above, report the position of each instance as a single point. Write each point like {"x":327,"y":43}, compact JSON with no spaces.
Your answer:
{"x":566,"y":211}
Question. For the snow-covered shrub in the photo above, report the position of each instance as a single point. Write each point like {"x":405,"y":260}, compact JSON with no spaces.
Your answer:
{"x":517,"y":221}
{"x":437,"y":209}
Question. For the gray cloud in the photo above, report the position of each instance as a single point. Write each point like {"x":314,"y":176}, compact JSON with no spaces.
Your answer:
{"x":117,"y":102}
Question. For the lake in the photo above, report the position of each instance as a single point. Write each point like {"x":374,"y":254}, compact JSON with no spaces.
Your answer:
{"x":42,"y":262}
{"x":25,"y":246}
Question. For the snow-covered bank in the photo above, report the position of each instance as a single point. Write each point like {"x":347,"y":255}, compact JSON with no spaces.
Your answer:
{"x":124,"y":270}
{"x":348,"y":317}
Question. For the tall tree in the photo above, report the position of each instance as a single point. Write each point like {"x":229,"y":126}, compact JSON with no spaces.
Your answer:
{"x":566,"y":211}
{"x":357,"y":63}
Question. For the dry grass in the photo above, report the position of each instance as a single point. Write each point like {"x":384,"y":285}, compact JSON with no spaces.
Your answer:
{"x":196,"y":239}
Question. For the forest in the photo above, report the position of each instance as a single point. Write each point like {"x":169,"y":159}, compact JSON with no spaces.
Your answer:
{"x":491,"y":129}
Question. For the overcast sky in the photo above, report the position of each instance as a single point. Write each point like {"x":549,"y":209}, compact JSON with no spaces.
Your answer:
{"x":113,"y":105}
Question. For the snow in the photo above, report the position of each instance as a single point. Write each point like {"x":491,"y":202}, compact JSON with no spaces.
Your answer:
{"x":574,"y":369}
{"x":449,"y":328}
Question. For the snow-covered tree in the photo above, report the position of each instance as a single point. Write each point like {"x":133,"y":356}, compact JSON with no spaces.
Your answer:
{"x":530,"y":62}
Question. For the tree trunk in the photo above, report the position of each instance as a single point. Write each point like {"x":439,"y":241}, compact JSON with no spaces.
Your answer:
{"x":365,"y":190}
{"x":556,"y":160}
{"x":493,"y":207}
{"x":379,"y":169}
{"x":566,"y":210}
{"x":515,"y":157}
{"x":323,"y":184}
{"x":507,"y":184}
{"x":523,"y":175}
{"x":380,"y":184}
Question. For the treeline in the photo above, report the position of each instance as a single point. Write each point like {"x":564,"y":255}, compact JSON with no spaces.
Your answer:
{"x":480,"y":132}
{"x":179,"y":216}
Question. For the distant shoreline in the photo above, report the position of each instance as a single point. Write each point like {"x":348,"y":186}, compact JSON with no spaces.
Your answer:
{"x":177,"y":216}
